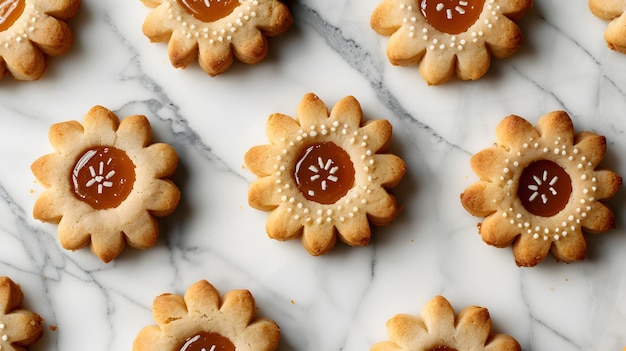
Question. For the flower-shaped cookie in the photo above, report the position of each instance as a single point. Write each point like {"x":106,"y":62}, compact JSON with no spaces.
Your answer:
{"x":539,"y":187}
{"x":31,"y":29}
{"x":612,"y":10}
{"x":324,"y":175}
{"x":202,"y":321}
{"x":437,"y":329}
{"x":105,"y":183}
{"x":19,"y":327}
{"x":444,"y":36}
{"x":215,"y":31}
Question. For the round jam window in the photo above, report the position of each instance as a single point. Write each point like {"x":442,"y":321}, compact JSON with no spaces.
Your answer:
{"x":10,"y":11}
{"x":544,"y":188}
{"x":324,"y":173}
{"x":451,"y":16}
{"x":207,"y":341}
{"x":103,"y":177}
{"x":209,"y":10}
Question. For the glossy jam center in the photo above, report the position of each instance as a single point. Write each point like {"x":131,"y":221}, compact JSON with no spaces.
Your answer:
{"x":443,"y":348}
{"x":451,"y":16}
{"x":10,"y":11}
{"x":206,"y":341}
{"x":209,"y":10}
{"x":324,"y":173}
{"x":103,"y":177}
{"x":544,"y":188}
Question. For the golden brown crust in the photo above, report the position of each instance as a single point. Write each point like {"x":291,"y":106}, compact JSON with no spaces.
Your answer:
{"x":19,"y":327}
{"x":201,"y":309}
{"x":441,"y":55}
{"x":436,"y":326}
{"x":366,"y":201}
{"x":131,"y":221}
{"x":241,"y":35}
{"x":40,"y":30}
{"x":508,"y":220}
{"x":613,"y":11}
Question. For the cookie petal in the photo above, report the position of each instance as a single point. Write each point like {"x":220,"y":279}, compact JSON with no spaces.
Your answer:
{"x":47,"y":208}
{"x":500,"y":45}
{"x":473,"y":326}
{"x":63,"y":136}
{"x":348,"y":111}
{"x":478,"y":198}
{"x":614,"y":34}
{"x":608,"y":184}
{"x":280,"y":126}
{"x":167,"y":308}
{"x":182,"y":50}
{"x":514,"y":131}
{"x":164,"y":198}
{"x":22,"y":327}
{"x":472,"y":63}
{"x":11,"y":296}
{"x":437,"y":66}
{"x":141,"y":232}
{"x":570,"y":248}
{"x":403,"y":53}
{"x":501,"y":342}
{"x":599,"y":219}
{"x":250,"y":48}
{"x":238,"y":308}
{"x":24,"y":61}
{"x":388,"y":170}
{"x":355,"y":231}
{"x":378,"y":134}
{"x":529,"y":252}
{"x":51,"y":36}
{"x":438,"y":316}
{"x":497,"y":231}
{"x":557,"y":128}
{"x":261,"y":194}
{"x":381,"y":207}
{"x":281,"y":227}
{"x":404,"y":330}
{"x":261,"y":159}
{"x":202,"y":299}
{"x":594,"y":147}
{"x":107,"y":244}
{"x":386,"y":18}
{"x":61,"y":9}
{"x":214,"y":58}
{"x":319,"y":238}
{"x":311,"y":111}
{"x":265,"y":332}
{"x":488,"y":163}
{"x":100,"y":125}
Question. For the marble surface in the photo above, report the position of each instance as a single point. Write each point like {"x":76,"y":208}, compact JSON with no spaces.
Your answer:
{"x":340,"y":301}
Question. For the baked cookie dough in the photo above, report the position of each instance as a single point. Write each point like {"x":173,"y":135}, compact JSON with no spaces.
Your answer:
{"x":438,"y":329}
{"x":215,"y":32}
{"x":448,"y":37}
{"x":613,"y":11}
{"x":202,"y":320}
{"x":105,"y":183}
{"x":19,"y":327}
{"x":325,"y":175}
{"x":30,"y":30}
{"x":540,"y":187}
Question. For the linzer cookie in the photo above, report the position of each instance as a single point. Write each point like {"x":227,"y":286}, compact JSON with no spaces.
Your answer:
{"x":449,"y":36}
{"x":19,"y":327}
{"x":30,"y":30}
{"x":106,"y":183}
{"x":215,"y":32}
{"x":325,"y":175}
{"x":201,"y":320}
{"x":438,"y":329}
{"x":540,"y":187}
{"x":613,"y":11}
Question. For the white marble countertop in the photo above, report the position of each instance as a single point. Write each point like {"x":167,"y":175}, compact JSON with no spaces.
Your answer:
{"x":342,"y":300}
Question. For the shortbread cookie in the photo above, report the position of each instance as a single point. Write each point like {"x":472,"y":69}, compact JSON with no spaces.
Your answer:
{"x":325,"y":175}
{"x":612,"y":10}
{"x":30,"y":30}
{"x":19,"y":327}
{"x":106,"y":183}
{"x":201,"y":320}
{"x":214,"y":32}
{"x":540,"y":187}
{"x":448,"y":36}
{"x":438,"y":329}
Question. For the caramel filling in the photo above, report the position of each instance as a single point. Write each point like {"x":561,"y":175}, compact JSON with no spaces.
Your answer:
{"x":324,"y":173}
{"x":207,"y":341}
{"x":10,"y":11}
{"x":451,"y":16}
{"x":209,"y":10}
{"x":544,"y":188}
{"x":103,"y":177}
